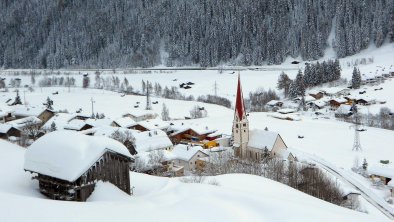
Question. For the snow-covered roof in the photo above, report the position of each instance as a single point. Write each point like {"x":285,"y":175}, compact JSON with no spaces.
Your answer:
{"x":75,"y":124}
{"x":67,"y":155}
{"x":286,"y":110}
{"x":391,"y":183}
{"x":273,"y":102}
{"x":151,"y":140}
{"x":125,"y":122}
{"x":334,"y":90}
{"x":60,"y":119}
{"x":140,"y":113}
{"x":309,"y":98}
{"x":339,"y":100}
{"x":186,"y":152}
{"x":386,"y":170}
{"x":21,"y":110}
{"x":343,"y":108}
{"x":180,"y":127}
{"x":260,"y":139}
{"x":108,"y":131}
{"x":152,"y":124}
{"x":99,"y":122}
{"x":20,"y":123}
{"x":4,"y":128}
{"x":319,"y":103}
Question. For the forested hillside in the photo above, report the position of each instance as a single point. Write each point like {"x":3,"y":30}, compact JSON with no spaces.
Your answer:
{"x":143,"y":33}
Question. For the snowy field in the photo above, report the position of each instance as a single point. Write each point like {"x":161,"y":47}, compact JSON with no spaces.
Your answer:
{"x":236,"y":198}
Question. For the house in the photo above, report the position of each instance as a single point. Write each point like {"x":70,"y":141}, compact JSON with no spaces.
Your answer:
{"x":336,"y":91}
{"x":187,"y":156}
{"x":68,"y":164}
{"x":141,"y":115}
{"x":316,"y":94}
{"x":124,"y":122}
{"x":336,"y":102}
{"x":6,"y":115}
{"x":151,"y":140}
{"x":77,"y":125}
{"x":384,"y":172}
{"x":150,"y":124}
{"x":317,"y":104}
{"x":43,"y":114}
{"x":191,"y":133}
{"x":7,"y":131}
{"x":26,"y":121}
{"x":255,"y":144}
{"x":274,"y":103}
{"x":343,"y":111}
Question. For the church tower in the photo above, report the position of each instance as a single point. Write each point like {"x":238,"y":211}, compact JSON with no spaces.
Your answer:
{"x":240,"y":125}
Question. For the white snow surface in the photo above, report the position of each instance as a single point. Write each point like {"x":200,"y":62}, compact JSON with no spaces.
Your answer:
{"x":67,"y":155}
{"x":237,"y":198}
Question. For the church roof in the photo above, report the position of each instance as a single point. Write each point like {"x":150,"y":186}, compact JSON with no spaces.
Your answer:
{"x":239,"y":102}
{"x":259,"y":139}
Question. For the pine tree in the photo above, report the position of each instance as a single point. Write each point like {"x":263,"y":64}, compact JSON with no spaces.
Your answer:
{"x":356,"y":79}
{"x":292,"y":90}
{"x":284,"y":83}
{"x":53,"y":127}
{"x":17,"y":100}
{"x":299,"y":84}
{"x":365,"y":164}
{"x":165,"y":113}
{"x":49,"y":103}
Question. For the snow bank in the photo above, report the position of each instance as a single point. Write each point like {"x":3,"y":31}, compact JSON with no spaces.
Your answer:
{"x":67,"y":155}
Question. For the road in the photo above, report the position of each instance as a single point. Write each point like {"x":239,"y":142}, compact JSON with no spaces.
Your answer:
{"x":365,"y":192}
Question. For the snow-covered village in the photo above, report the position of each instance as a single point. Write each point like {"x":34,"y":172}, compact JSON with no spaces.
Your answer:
{"x":197,"y":111}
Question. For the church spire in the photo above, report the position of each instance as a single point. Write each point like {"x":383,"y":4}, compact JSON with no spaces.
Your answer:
{"x":239,"y":102}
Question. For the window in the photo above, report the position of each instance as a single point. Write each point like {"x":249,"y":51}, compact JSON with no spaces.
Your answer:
{"x":244,"y":124}
{"x":244,"y":131}
{"x":236,"y":125}
{"x":236,"y":131}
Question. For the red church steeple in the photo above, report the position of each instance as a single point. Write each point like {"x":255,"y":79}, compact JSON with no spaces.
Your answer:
{"x":239,"y":102}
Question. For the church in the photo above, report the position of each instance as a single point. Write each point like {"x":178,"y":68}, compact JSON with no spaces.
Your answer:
{"x":255,"y":144}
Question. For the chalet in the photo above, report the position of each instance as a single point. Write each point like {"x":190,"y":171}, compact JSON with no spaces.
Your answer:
{"x":152,"y":140}
{"x":68,"y":164}
{"x":124,"y":122}
{"x":274,"y":103}
{"x":7,"y":131}
{"x":317,"y":104}
{"x":189,"y":133}
{"x":41,"y":113}
{"x":187,"y":156}
{"x":150,"y":124}
{"x":343,"y":111}
{"x":316,"y":94}
{"x":335,"y":103}
{"x":141,"y":115}
{"x":384,"y":172}
{"x":6,"y":115}
{"x":77,"y":125}
{"x":26,"y":121}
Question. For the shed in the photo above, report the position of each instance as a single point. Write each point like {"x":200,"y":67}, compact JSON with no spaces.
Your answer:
{"x":7,"y":130}
{"x":68,"y":164}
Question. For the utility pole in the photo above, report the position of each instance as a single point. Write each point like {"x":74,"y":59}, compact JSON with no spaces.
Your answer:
{"x":356,"y":144}
{"x":215,"y":87}
{"x":92,"y":101}
{"x":148,"y":104}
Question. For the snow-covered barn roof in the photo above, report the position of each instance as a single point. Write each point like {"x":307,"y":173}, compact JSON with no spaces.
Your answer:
{"x":99,"y":122}
{"x":180,"y":127}
{"x":4,"y":128}
{"x":386,"y":170}
{"x":151,"y":140}
{"x":186,"y":152}
{"x":76,"y":124}
{"x":125,"y":122}
{"x":20,"y":123}
{"x":60,"y":119}
{"x":67,"y":154}
{"x":260,"y":139}
{"x":152,"y":124}
{"x":21,"y":110}
{"x":343,"y":108}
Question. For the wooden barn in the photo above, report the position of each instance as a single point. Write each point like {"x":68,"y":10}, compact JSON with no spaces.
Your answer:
{"x":7,"y":130}
{"x":68,"y":164}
